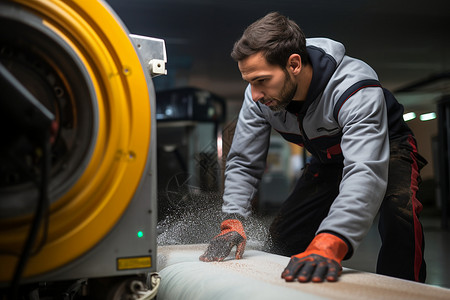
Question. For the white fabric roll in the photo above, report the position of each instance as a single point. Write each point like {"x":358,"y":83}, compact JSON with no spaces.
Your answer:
{"x":258,"y":276}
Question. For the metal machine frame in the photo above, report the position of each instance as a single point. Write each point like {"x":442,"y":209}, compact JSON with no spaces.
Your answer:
{"x":102,"y":210}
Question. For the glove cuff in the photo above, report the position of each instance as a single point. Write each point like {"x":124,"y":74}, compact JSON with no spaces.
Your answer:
{"x":232,"y":225}
{"x":226,"y":216}
{"x":328,"y":245}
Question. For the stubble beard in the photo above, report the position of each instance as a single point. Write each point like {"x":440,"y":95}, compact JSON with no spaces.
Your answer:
{"x":286,"y":94}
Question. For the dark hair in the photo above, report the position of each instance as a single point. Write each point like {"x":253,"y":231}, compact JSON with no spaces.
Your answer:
{"x":276,"y":36}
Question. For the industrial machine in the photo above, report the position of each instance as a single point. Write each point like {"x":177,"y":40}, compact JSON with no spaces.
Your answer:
{"x":77,"y":152}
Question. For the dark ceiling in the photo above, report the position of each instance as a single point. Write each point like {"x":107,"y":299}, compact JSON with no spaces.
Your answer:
{"x":404,"y":41}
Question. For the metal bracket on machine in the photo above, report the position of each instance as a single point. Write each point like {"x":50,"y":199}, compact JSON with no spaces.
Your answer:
{"x":153,"y":51}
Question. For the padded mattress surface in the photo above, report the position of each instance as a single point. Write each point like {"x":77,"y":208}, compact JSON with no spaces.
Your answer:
{"x":258,"y":276}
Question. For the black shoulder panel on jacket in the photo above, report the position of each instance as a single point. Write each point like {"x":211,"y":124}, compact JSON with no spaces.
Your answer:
{"x":396,"y":124}
{"x":351,"y":91}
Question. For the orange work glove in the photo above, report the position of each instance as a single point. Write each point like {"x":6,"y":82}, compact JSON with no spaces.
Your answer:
{"x":231,"y":234}
{"x":320,"y":261}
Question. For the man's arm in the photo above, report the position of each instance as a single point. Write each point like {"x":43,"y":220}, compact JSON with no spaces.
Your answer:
{"x":365,"y":146}
{"x":245,"y":166}
{"x":246,"y":160}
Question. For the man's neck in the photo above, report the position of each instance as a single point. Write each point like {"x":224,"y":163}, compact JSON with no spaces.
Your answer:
{"x":303,"y":81}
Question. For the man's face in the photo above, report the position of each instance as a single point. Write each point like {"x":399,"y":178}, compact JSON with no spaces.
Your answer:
{"x":270,"y":84}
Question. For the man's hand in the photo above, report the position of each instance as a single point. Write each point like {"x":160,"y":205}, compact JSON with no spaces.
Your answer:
{"x":320,"y":261}
{"x":231,"y":234}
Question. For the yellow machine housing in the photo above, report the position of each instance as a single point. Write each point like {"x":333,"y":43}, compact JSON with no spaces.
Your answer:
{"x":81,"y":63}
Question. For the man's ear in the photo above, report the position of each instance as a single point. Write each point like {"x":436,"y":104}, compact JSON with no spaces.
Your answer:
{"x":294,"y":63}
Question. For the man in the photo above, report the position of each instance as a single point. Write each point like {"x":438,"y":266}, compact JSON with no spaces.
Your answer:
{"x":364,"y":161}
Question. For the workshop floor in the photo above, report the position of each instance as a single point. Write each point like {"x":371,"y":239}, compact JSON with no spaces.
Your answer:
{"x":437,"y":252}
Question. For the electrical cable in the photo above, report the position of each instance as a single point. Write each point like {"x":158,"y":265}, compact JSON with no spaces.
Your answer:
{"x":153,"y":280}
{"x":41,"y":212}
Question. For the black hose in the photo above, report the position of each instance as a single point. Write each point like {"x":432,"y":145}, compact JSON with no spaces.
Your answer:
{"x":41,"y":211}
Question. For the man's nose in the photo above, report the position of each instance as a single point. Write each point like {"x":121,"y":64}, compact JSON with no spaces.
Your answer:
{"x":257,"y":94}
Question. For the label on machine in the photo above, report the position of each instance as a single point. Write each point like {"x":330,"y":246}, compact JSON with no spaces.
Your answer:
{"x":127,"y":263}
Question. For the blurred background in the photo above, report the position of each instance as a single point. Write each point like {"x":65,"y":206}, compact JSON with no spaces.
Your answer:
{"x":407,"y":43}
{"x":96,"y":182}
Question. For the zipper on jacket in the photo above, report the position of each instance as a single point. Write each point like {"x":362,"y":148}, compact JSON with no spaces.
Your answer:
{"x":307,"y":142}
